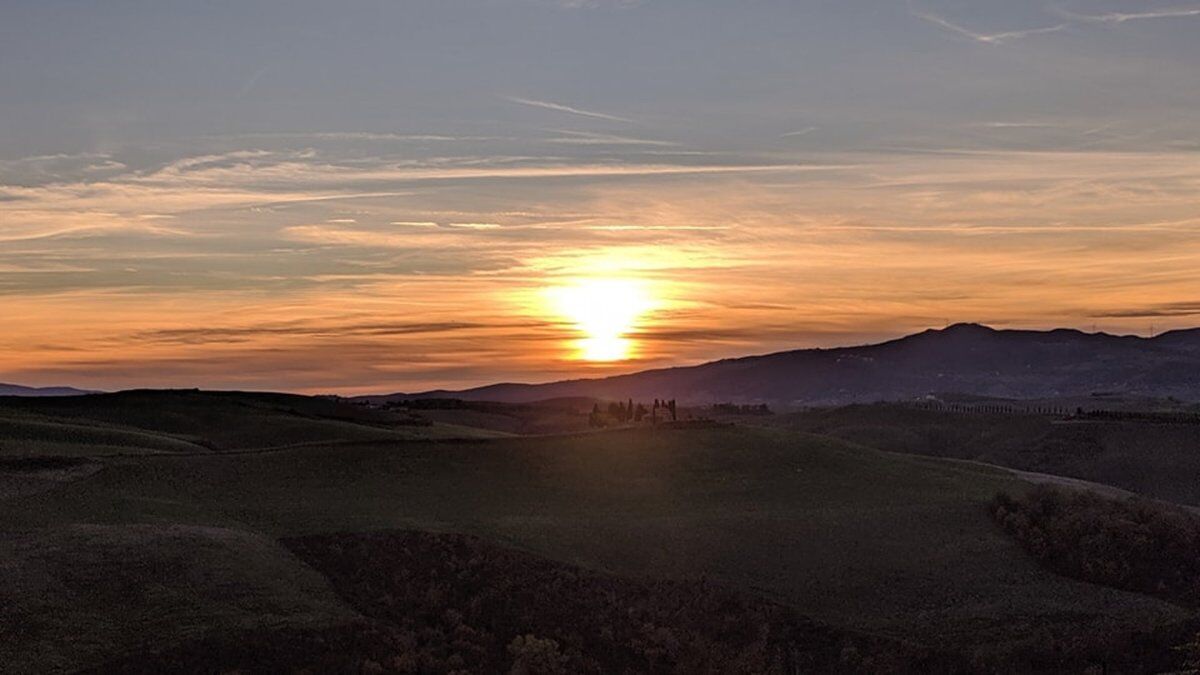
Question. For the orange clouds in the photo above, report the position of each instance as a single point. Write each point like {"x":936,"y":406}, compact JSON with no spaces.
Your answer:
{"x":300,"y":271}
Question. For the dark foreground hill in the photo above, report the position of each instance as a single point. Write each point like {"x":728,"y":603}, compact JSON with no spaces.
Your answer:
{"x":850,"y":538}
{"x":508,"y":611}
{"x":139,"y":532}
{"x":964,"y":358}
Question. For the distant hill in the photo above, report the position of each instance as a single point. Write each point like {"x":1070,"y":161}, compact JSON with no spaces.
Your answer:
{"x":963,"y":358}
{"x":18,"y":390}
{"x":193,"y":421}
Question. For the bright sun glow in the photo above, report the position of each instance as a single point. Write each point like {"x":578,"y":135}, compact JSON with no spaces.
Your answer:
{"x":605,"y":311}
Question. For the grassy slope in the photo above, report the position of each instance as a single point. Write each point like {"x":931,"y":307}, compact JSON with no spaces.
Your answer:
{"x":526,"y":421}
{"x":77,"y":596}
{"x":554,"y":416}
{"x":848,"y":535}
{"x":1158,"y":460}
{"x":26,"y":435}
{"x":148,"y":422}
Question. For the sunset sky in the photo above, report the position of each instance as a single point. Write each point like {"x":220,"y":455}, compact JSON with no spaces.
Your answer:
{"x":398,"y":195}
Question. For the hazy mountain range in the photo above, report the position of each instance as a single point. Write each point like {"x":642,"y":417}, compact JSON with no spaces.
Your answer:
{"x":963,"y":358}
{"x":18,"y":390}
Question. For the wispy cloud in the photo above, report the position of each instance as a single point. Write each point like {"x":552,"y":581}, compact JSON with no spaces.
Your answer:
{"x":592,"y":4}
{"x":800,"y":132}
{"x":559,"y":107}
{"x":251,"y":81}
{"x":569,"y":137}
{"x":359,"y":136}
{"x":1073,"y":18}
{"x":294,"y":329}
{"x":1016,"y":125}
{"x":1122,"y":17}
{"x":977,"y":36}
{"x":987,"y":38}
{"x":144,"y":201}
{"x":1171,"y":309}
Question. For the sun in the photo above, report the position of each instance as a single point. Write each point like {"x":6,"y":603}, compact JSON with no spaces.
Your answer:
{"x":605,"y":311}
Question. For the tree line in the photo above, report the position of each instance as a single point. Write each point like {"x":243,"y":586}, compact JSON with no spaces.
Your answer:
{"x":626,"y":412}
{"x":742,"y":409}
{"x":1078,"y":413}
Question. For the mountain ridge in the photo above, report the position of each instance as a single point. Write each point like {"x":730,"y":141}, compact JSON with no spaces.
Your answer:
{"x":21,"y":390}
{"x":965,"y":358}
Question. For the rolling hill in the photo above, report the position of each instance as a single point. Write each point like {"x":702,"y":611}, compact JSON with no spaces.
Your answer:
{"x":851,"y":537}
{"x":963,"y":358}
{"x":160,"y":493}
{"x":1152,"y":459}
{"x":190,"y":421}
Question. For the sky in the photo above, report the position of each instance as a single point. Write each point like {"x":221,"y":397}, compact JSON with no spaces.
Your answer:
{"x":397,"y":195}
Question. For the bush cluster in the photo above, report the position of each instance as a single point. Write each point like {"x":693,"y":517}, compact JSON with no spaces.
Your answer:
{"x":1132,"y":544}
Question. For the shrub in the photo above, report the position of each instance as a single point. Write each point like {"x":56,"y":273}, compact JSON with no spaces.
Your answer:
{"x":1132,"y":544}
{"x":535,"y":656}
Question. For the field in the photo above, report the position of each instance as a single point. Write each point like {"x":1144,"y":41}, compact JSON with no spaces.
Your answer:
{"x":464,"y":605}
{"x":76,"y":595}
{"x":853,"y":538}
{"x":1158,"y":460}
